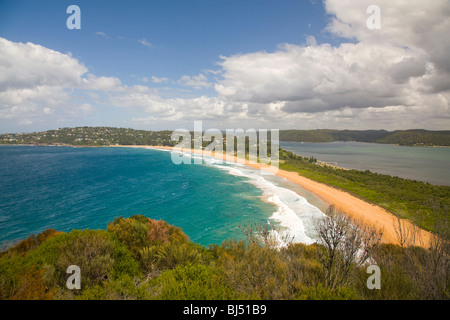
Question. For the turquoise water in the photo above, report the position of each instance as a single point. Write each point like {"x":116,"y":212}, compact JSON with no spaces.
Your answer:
{"x":417,"y":163}
{"x":77,"y":188}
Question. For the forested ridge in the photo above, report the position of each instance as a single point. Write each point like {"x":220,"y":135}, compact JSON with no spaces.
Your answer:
{"x":400,"y":137}
{"x":102,"y":136}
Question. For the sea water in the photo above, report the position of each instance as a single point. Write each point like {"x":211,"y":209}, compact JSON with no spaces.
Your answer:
{"x":67,"y":188}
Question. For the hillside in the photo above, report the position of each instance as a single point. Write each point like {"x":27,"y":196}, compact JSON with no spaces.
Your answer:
{"x":102,"y":136}
{"x":139,"y":258}
{"x":90,"y":136}
{"x":401,"y":137}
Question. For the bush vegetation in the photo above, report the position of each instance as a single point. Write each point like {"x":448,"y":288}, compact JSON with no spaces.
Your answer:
{"x":103,"y":136}
{"x":414,"y":137}
{"x":420,"y":202}
{"x":141,"y":258}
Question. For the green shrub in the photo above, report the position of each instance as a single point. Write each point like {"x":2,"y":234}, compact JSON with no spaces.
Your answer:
{"x":320,"y":292}
{"x":192,"y":282}
{"x":132,"y":232}
{"x":127,"y":287}
{"x":174,"y":254}
{"x":98,"y":253}
{"x":257,"y":272}
{"x":166,"y":265}
{"x":139,"y":232}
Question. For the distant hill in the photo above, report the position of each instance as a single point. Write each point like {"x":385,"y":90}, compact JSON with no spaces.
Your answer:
{"x":103,"y":136}
{"x":90,"y":136}
{"x":416,"y":137}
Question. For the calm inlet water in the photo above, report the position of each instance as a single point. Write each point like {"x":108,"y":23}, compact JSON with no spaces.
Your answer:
{"x":76,"y":188}
{"x":418,"y":163}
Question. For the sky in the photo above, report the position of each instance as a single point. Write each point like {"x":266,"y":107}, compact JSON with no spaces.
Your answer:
{"x":262,"y":64}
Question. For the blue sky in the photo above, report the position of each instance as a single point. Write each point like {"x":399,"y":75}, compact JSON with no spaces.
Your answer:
{"x":164,"y":38}
{"x":161,"y":64}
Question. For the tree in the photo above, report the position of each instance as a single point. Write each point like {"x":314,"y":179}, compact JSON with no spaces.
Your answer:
{"x":429,"y":268}
{"x":266,"y":235}
{"x":344,"y":245}
{"x":407,"y":233}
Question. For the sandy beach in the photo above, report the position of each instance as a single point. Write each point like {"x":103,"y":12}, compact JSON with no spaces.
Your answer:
{"x":352,"y":206}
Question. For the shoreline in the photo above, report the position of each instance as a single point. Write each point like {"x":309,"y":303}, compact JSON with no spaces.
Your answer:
{"x":390,"y":144}
{"x":361,"y":210}
{"x":352,"y":206}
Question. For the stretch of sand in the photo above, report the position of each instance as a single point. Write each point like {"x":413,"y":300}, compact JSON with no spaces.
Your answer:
{"x":352,"y":206}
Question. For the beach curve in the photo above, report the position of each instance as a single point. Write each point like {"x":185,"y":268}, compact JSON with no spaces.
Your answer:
{"x":358,"y":209}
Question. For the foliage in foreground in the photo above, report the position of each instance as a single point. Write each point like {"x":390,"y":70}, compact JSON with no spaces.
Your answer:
{"x":141,"y":258}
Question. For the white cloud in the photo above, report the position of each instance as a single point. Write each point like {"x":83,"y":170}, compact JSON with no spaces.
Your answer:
{"x":145,"y":43}
{"x":317,"y":78}
{"x":394,"y":78}
{"x":27,"y":103}
{"x":27,"y":65}
{"x":86,"y":108}
{"x":403,"y":66}
{"x":159,"y":80}
{"x":101,"y":34}
{"x":422,"y":25}
{"x":38,"y":84}
{"x":93,"y":82}
{"x":311,"y":41}
{"x":199,"y":81}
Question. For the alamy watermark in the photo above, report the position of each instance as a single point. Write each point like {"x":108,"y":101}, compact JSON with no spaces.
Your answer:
{"x":74,"y":20}
{"x":250,"y":146}
{"x":74,"y":281}
{"x":373,"y":281}
{"x":373,"y":22}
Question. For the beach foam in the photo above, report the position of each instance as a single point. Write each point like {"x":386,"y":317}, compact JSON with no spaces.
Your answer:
{"x":294,"y":213}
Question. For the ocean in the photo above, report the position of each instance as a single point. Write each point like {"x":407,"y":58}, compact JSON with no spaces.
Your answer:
{"x":67,"y":188}
{"x":417,"y":163}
